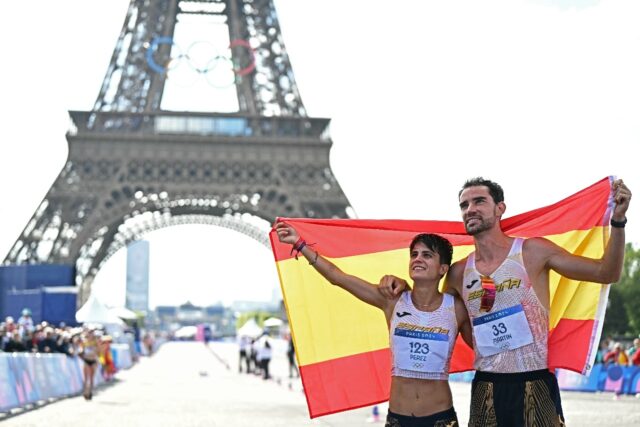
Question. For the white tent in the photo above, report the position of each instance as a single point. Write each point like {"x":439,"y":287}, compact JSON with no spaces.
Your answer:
{"x":93,"y":311}
{"x":250,"y":329}
{"x":272,"y":322}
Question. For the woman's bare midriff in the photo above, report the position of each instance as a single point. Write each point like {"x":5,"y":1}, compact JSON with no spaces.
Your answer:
{"x":420,"y":398}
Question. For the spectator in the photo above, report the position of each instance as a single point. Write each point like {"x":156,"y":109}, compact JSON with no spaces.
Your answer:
{"x":291,"y":356}
{"x":254,"y":356}
{"x":604,"y":349}
{"x":25,"y":322}
{"x":634,"y":349}
{"x":634,"y":353}
{"x":48,"y":344}
{"x":9,"y":324}
{"x":136,"y":337}
{"x":635,"y":360}
{"x":64,"y":344}
{"x":264,"y":355}
{"x":30,"y":342}
{"x":4,"y":335}
{"x":15,"y":344}
{"x":244,"y":346}
{"x":76,"y":342}
{"x":106,"y":358}
{"x":617,"y":356}
{"x":147,"y":340}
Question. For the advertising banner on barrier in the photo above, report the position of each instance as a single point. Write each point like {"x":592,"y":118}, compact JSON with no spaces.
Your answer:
{"x":57,"y":383}
{"x":27,"y":378}
{"x":568,"y":380}
{"x":69,"y":367}
{"x":121,"y":356}
{"x":8,"y":397}
{"x":40,"y":376}
{"x":615,"y":378}
{"x":25,"y":388}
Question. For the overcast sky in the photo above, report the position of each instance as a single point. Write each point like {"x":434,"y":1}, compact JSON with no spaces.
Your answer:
{"x":542,"y":96}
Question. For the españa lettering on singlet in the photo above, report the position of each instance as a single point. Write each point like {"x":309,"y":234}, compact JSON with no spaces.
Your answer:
{"x":421,"y":342}
{"x":512,"y":336}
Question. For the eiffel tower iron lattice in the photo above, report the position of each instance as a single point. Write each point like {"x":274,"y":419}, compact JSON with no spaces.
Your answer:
{"x":134,"y":167}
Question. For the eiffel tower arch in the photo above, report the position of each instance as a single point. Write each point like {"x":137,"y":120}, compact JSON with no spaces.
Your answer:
{"x":134,"y":167}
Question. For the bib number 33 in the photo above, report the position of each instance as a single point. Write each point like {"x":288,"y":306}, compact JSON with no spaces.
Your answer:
{"x":501,"y":331}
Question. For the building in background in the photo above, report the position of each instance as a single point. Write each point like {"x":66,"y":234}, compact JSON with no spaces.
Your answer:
{"x":220,"y":320}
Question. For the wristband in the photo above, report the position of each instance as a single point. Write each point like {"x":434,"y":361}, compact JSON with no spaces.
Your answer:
{"x":618,"y":224}
{"x":297,"y":246}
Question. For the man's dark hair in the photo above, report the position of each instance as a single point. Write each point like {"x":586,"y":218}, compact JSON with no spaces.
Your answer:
{"x":494,"y":188}
{"x":436,"y":243}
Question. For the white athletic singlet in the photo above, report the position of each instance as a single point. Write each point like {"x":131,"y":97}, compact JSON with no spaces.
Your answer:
{"x":512,"y":336}
{"x":421,"y":342}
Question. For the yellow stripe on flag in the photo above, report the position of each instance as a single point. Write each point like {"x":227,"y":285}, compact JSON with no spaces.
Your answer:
{"x":572,"y":299}
{"x":346,"y":325}
{"x":345,"y":328}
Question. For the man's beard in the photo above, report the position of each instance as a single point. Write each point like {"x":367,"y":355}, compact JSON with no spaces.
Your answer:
{"x":478,"y":228}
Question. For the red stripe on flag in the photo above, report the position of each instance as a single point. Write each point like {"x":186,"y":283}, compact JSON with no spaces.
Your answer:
{"x":338,"y":238}
{"x":462,"y":357}
{"x":569,"y":344}
{"x":337,"y":385}
{"x":348,"y":237}
{"x":581,"y":211}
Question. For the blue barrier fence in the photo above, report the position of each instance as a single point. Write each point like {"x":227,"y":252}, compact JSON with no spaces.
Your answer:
{"x":27,"y":378}
{"x":121,"y":354}
{"x":615,"y":378}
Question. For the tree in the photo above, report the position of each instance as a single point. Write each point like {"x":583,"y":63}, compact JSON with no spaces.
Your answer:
{"x":616,"y":321}
{"x":623,"y":315}
{"x":630,"y":287}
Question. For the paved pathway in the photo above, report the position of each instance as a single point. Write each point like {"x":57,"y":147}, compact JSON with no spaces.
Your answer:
{"x":188,"y":384}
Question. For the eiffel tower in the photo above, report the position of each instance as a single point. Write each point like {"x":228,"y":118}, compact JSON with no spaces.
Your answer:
{"x":134,"y":167}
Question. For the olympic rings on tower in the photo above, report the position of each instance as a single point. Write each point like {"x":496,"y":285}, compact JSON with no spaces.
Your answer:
{"x":203,"y":59}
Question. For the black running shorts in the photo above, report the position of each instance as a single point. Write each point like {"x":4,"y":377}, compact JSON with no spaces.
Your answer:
{"x":446,"y":418}
{"x":514,"y":400}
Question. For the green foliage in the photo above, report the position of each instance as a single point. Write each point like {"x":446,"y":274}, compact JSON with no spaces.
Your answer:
{"x":623,"y":315}
{"x":616,"y":321}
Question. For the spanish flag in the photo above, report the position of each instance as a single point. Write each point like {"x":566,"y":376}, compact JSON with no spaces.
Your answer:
{"x":342,"y":344}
